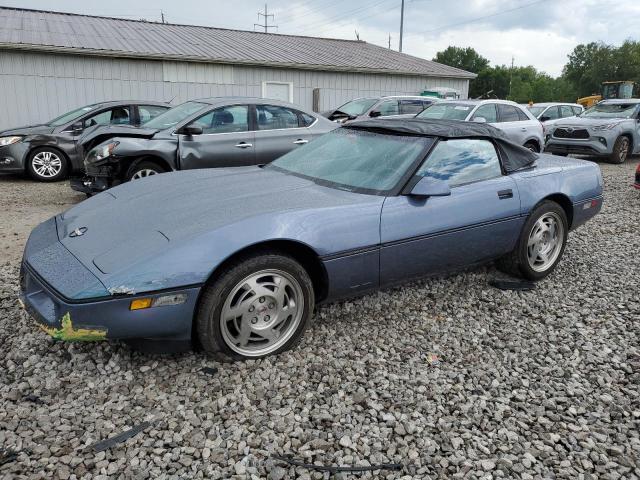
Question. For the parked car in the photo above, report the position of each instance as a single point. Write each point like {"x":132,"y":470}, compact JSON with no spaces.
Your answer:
{"x":237,"y":257}
{"x":206,"y":133}
{"x":546,"y":112}
{"x":48,"y":152}
{"x":513,"y":119}
{"x":609,"y":129}
{"x":398,"y":106}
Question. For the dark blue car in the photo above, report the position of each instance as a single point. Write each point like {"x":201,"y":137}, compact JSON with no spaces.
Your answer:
{"x":236,"y":258}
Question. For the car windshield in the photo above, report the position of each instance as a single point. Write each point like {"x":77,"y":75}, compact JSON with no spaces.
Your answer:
{"x":174,"y":115}
{"x":355,"y":160}
{"x":447,"y":111}
{"x":72,"y":115}
{"x":536,"y":110}
{"x":357,"y":107}
{"x":610,"y":110}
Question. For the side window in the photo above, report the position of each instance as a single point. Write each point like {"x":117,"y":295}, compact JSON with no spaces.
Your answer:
{"x":487,"y":111}
{"x":566,"y":111}
{"x":224,"y":120}
{"x":115,"y":116}
{"x":388,"y":107}
{"x":521,"y":115}
{"x":508,"y":113}
{"x":576,"y":110}
{"x":462,"y":161}
{"x":307,"y":120}
{"x":272,"y":117}
{"x":147,"y":112}
{"x":552,"y":113}
{"x":411,"y":107}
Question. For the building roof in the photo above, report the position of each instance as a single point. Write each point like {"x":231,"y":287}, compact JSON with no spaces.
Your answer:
{"x":85,"y":34}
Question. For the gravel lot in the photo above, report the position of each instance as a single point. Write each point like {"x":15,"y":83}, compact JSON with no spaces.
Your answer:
{"x":449,"y":377}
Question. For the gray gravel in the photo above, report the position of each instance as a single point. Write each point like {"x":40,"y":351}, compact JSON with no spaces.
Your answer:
{"x":449,"y":377}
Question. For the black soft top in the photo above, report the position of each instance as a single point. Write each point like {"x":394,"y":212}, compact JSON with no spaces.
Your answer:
{"x":515,"y":156}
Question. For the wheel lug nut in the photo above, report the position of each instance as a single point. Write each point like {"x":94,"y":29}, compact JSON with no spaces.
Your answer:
{"x":254,"y":320}
{"x":271,"y":305}
{"x":252,"y":308}
{"x":267,"y":318}
{"x":261,"y":299}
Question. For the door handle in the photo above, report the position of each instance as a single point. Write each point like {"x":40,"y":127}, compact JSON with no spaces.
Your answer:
{"x":244,"y":145}
{"x":502,"y":194}
{"x":301,"y":141}
{"x":523,"y":129}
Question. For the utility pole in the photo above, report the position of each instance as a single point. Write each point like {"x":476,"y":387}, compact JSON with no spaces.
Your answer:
{"x":266,"y":16}
{"x":389,"y":41}
{"x":162,"y":16}
{"x":511,"y":77}
{"x":401,"y":24}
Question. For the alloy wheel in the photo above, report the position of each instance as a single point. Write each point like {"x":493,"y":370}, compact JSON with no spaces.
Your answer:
{"x":262,"y":312}
{"x":46,"y":164}
{"x":146,"y":172}
{"x":545,"y":242}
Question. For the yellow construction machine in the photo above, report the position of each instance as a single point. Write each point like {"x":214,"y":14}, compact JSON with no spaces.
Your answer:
{"x":617,"y":89}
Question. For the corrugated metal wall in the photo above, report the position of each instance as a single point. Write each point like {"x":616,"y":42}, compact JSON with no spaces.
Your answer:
{"x":36,"y":87}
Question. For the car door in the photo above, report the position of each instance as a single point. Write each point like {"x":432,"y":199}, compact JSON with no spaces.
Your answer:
{"x":386,"y":108}
{"x":278,"y":130}
{"x":514,"y":123}
{"x":226,"y":140}
{"x":478,"y":221}
{"x":486,"y":112}
{"x":551,"y":113}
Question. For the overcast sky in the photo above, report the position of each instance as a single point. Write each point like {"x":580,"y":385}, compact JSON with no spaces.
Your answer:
{"x":540,"y":33}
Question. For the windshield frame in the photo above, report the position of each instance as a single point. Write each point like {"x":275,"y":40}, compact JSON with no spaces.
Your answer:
{"x":634,"y":114}
{"x":180,"y":122}
{"x":84,"y":110}
{"x":395,"y":190}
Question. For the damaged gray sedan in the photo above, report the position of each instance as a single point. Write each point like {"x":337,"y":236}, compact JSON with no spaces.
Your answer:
{"x":205,"y":133}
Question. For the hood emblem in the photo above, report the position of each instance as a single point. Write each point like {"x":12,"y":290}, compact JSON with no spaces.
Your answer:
{"x":569,"y":129}
{"x":78,"y":232}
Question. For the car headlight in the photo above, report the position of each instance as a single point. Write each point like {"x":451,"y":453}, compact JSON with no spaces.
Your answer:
{"x":4,"y":141}
{"x":102,"y":151}
{"x":607,"y":126}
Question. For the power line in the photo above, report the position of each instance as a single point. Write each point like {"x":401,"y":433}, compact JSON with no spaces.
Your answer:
{"x":343,"y":22}
{"x":484,"y":17}
{"x":293,"y":16}
{"x":331,"y":20}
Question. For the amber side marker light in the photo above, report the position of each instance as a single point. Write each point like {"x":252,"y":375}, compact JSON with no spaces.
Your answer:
{"x":165,"y":300}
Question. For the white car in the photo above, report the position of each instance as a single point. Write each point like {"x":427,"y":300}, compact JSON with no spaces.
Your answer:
{"x":516,"y":121}
{"x":547,"y":112}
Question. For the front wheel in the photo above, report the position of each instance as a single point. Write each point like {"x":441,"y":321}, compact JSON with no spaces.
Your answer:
{"x":258,"y":306}
{"x":532,"y":146}
{"x":541,"y":243}
{"x":47,"y":165}
{"x":620,"y":150}
{"x":143,"y":169}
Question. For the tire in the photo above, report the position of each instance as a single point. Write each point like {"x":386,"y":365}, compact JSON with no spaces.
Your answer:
{"x":519,"y":262}
{"x":532,"y":146}
{"x":145,"y":168}
{"x":620,"y":150}
{"x":47,"y":164}
{"x":248,"y":286}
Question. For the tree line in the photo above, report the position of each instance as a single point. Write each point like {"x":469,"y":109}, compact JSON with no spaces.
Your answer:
{"x":587,"y":67}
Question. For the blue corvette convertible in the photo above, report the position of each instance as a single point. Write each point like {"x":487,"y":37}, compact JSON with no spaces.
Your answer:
{"x":235,"y":258}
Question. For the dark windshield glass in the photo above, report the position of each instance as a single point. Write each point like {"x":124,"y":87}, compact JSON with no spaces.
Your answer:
{"x":355,"y":159}
{"x":357,"y":107}
{"x":610,"y":110}
{"x":70,"y":116}
{"x":174,"y":115}
{"x":447,"y":111}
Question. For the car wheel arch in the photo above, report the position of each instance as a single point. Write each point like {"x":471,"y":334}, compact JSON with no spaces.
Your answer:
{"x":535,"y":142}
{"x":564,"y":202}
{"x":147,"y":158}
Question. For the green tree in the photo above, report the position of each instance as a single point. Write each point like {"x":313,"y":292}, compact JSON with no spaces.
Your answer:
{"x":465,"y":58}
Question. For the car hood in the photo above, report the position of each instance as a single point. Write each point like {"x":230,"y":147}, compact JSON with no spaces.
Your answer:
{"x":28,"y":130}
{"x":97,"y":134}
{"x":586,"y":122}
{"x":142,"y":218}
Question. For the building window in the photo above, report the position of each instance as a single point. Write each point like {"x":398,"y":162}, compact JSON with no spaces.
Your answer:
{"x":278,"y":91}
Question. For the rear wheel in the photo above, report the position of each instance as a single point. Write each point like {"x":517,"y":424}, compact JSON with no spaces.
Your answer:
{"x":258,"y":306}
{"x":47,"y":165}
{"x":620,"y":150}
{"x":143,"y":169}
{"x":541,"y":243}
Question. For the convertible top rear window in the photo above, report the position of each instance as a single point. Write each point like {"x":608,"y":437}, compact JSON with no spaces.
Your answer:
{"x":356,"y":160}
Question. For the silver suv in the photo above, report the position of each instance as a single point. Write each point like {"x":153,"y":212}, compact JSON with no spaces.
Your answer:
{"x":610,"y":129}
{"x":516,"y":121}
{"x":396,"y":106}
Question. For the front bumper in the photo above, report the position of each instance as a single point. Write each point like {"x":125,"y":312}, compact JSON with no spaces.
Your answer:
{"x":104,"y":318}
{"x":12,"y":157}
{"x":595,"y":145}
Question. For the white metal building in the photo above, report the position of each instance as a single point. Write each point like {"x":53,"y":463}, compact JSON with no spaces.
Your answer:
{"x":52,"y":62}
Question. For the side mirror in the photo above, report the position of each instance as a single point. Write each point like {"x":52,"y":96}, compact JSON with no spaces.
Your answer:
{"x":190,"y":130}
{"x":479,"y":119}
{"x":430,"y":187}
{"x":77,"y":127}
{"x":375,"y":113}
{"x":544,"y":118}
